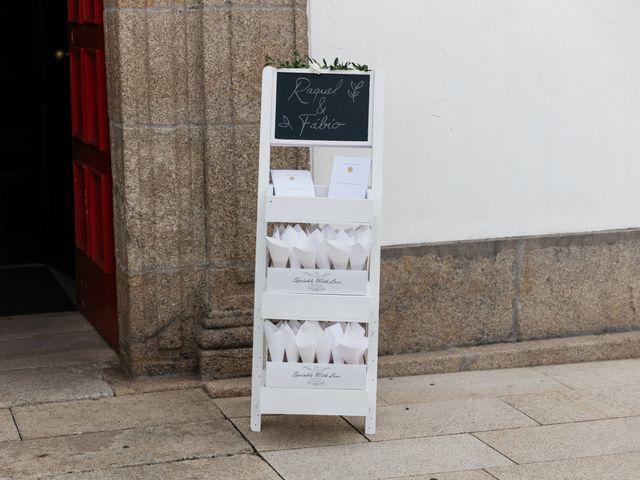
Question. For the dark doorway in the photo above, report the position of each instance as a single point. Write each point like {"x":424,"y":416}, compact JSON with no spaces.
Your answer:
{"x":36,"y":177}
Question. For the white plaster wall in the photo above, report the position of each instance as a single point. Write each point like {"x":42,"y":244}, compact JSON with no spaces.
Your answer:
{"x":503,"y":117}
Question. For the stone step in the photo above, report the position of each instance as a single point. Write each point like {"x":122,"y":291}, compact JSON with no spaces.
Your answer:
{"x":234,"y":362}
{"x":584,"y":348}
{"x":224,"y":338}
{"x":228,"y":318}
{"x":242,"y":301}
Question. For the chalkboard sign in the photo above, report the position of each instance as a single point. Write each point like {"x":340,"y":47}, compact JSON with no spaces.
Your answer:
{"x":322,"y":107}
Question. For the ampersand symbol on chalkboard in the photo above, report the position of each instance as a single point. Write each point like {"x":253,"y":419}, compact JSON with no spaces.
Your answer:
{"x":353,"y":92}
{"x":285,"y":123}
{"x":321,"y":108}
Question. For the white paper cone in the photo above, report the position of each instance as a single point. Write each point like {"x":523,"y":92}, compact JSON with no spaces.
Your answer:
{"x":329,"y":233}
{"x":335,"y":331}
{"x":358,"y":256}
{"x":295,"y":325}
{"x":321,"y":253}
{"x":353,"y":344}
{"x":354,"y":330}
{"x":338,"y":253}
{"x":294,"y":262}
{"x":275,"y":341}
{"x":364,"y":234}
{"x":333,"y":334}
{"x":307,"y":340}
{"x":306,"y":347}
{"x":306,"y":256}
{"x":295,"y":237}
{"x":343,"y":236}
{"x":316,"y":234}
{"x":279,"y":252}
{"x":289,"y":235}
{"x":323,"y":349}
{"x":352,"y":349}
{"x":290,"y":346}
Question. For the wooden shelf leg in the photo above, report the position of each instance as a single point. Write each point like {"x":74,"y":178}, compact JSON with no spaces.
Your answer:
{"x":370,"y":423}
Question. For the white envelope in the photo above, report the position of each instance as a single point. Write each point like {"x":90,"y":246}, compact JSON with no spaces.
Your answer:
{"x":349,"y":177}
{"x":292,"y":183}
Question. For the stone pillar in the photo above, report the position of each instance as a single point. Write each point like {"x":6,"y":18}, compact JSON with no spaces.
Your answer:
{"x":244,"y":31}
{"x":184,"y":93}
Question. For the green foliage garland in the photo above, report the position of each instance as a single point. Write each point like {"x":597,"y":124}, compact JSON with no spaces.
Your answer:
{"x":300,"y":61}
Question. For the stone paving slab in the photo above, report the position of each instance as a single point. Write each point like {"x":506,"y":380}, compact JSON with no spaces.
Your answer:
{"x":57,"y":384}
{"x":595,"y":374}
{"x":236,"y":467}
{"x":100,"y":356}
{"x":466,"y":475}
{"x":7,"y":427}
{"x":28,"y":325}
{"x":443,"y":417}
{"x":123,"y":385}
{"x":229,"y":387}
{"x":283,"y":432}
{"x":395,"y":458}
{"x":608,"y":467}
{"x":564,"y":441}
{"x":484,"y":383}
{"x":115,"y":413}
{"x":579,"y":405}
{"x":119,"y":448}
{"x":20,"y":347}
{"x":234,"y":407}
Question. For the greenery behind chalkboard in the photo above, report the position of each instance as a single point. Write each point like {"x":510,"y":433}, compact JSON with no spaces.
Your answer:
{"x":299,"y":61}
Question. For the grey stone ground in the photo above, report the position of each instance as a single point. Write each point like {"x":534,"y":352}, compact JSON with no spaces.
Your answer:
{"x":67,"y":413}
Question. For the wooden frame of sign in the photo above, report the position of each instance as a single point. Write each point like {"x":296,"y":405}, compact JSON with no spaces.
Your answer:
{"x":301,"y":108}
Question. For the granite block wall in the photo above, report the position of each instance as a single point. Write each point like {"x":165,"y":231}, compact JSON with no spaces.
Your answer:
{"x":184,"y":90}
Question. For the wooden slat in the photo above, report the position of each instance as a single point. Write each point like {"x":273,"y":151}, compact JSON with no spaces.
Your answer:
{"x":336,"y":308}
{"x":302,"y":401}
{"x":319,"y":210}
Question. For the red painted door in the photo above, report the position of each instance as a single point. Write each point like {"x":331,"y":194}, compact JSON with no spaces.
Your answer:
{"x":92,"y":169}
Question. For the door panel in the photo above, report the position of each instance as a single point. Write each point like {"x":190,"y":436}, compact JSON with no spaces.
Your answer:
{"x":36,"y":189}
{"x":92,"y":169}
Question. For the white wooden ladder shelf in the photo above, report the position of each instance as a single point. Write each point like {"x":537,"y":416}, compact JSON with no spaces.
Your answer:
{"x":304,"y":109}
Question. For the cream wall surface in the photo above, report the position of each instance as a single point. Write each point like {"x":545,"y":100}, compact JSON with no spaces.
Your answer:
{"x":503,"y":118}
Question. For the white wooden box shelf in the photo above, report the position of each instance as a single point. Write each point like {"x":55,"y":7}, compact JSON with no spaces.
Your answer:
{"x":321,"y":210}
{"x":305,"y":401}
{"x":317,"y":281}
{"x":298,"y":306}
{"x":316,"y":376}
{"x":352,"y":388}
